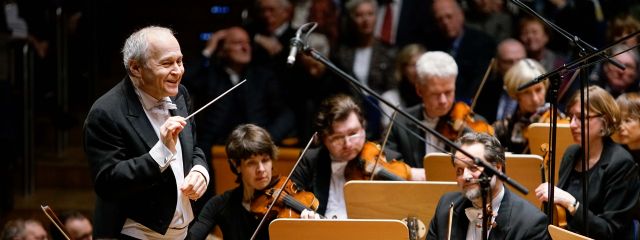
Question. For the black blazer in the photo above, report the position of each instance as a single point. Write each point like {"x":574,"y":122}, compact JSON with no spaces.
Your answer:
{"x":314,"y":174}
{"x":517,"y":219}
{"x":613,"y":192}
{"x":380,"y":77}
{"x":128,"y":182}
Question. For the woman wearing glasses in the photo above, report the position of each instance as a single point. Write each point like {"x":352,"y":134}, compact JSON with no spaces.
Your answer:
{"x":611,"y":172}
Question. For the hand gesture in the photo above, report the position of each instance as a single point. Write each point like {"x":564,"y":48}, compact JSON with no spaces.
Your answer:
{"x":170,"y":130}
{"x":194,"y":185}
{"x":271,"y":44}
{"x":214,"y":40}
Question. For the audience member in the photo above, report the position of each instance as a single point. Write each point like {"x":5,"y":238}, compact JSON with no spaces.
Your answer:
{"x":471,"y":48}
{"x":404,"y":73}
{"x":495,"y":106}
{"x":227,"y":60}
{"x":366,"y":58}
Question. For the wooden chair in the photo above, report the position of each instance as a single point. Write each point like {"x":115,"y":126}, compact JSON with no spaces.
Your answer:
{"x":539,"y":134}
{"x":394,"y":199}
{"x":524,"y":168}
{"x":225,"y":179}
{"x":347,"y":229}
{"x":563,"y":234}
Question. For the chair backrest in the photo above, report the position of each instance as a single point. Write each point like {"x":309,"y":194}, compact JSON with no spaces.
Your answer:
{"x":437,"y":167}
{"x":562,"y":234}
{"x":352,"y":229}
{"x":524,"y":168}
{"x":538,"y":134}
{"x":395,"y":199}
{"x":225,"y":179}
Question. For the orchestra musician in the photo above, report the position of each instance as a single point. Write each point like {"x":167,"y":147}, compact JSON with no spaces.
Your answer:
{"x":436,"y":86}
{"x":629,"y":129}
{"x":513,"y":217}
{"x":612,"y":174}
{"x":530,"y":105}
{"x":146,"y":169}
{"x":341,"y":130}
{"x":251,"y":153}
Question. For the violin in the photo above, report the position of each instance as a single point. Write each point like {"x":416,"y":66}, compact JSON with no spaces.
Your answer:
{"x":372,"y":156}
{"x":291,"y":203}
{"x":560,"y":213}
{"x":462,"y":119}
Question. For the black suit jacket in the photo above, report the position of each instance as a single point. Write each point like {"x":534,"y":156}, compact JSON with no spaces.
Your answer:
{"x":314,"y":174}
{"x":128,"y":182}
{"x":517,"y":219}
{"x":380,"y":77}
{"x":258,"y":101}
{"x":613,"y":192}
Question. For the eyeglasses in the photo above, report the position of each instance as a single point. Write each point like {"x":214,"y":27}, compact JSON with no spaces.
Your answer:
{"x":340,"y":140}
{"x":578,"y":117}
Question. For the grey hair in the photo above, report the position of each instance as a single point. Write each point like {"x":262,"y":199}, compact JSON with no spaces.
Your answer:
{"x":351,"y":5}
{"x":136,"y":46}
{"x":493,"y":150}
{"x":436,"y":64}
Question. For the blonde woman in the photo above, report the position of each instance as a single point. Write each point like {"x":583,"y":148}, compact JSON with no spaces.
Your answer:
{"x":531,"y":104}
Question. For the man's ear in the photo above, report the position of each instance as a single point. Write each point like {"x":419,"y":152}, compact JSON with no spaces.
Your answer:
{"x":135,"y":69}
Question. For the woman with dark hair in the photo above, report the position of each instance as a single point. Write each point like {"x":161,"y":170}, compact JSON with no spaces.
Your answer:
{"x":250,"y":153}
{"x":629,"y":128}
{"x":612,"y":174}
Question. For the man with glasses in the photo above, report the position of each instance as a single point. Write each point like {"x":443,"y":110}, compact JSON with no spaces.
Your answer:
{"x":341,"y":130}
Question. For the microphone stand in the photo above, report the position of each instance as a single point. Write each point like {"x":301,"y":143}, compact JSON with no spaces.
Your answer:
{"x":487,"y":209}
{"x":488,"y":169}
{"x":555,"y":77}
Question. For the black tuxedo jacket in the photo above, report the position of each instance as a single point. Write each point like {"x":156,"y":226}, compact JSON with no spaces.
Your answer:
{"x":128,"y":182}
{"x":517,"y":219}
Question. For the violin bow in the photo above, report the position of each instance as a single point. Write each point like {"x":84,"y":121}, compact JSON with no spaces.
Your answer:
{"x":215,"y":99}
{"x":384,"y":143}
{"x":450,"y":221}
{"x":55,"y":220}
{"x":279,"y":192}
{"x":484,"y":79}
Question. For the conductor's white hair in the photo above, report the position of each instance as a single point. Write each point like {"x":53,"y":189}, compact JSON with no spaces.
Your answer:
{"x":136,"y":45}
{"x":436,"y":64}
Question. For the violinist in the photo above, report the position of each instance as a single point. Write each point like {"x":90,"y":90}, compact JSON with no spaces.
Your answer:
{"x":513,"y":217}
{"x":251,"y":152}
{"x":436,"y":86}
{"x":530,"y":105}
{"x":341,"y":129}
{"x":612,"y":174}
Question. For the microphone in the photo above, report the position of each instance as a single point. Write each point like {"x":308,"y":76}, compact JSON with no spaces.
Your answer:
{"x":296,"y":42}
{"x":294,"y":45}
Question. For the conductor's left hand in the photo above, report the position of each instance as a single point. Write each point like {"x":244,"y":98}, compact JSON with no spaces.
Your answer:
{"x":194,"y":185}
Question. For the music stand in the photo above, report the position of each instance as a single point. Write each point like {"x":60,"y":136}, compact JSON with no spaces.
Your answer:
{"x":438,"y":167}
{"x":395,"y":199}
{"x":347,"y":229}
{"x":539,"y":134}
{"x":525,"y":168}
{"x":563,"y":234}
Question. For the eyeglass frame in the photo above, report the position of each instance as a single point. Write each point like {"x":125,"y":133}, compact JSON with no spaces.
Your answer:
{"x":340,"y":140}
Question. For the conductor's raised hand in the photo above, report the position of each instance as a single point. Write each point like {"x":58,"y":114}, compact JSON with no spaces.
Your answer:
{"x":194,"y":185}
{"x":170,"y":130}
